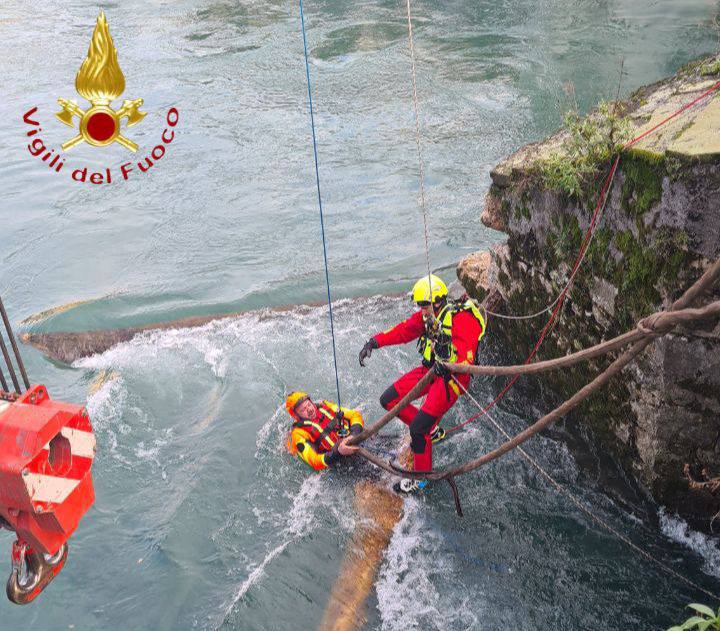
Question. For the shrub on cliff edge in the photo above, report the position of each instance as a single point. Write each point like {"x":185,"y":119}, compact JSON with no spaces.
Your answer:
{"x":591,"y":142}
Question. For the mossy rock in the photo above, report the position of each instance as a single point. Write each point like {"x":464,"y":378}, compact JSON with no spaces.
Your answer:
{"x":642,"y":185}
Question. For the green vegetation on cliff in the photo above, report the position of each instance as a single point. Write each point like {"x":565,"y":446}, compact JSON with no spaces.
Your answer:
{"x":704,"y":619}
{"x":590,"y":143}
{"x":654,"y":237}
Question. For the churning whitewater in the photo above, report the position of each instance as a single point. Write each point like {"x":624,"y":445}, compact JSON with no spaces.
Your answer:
{"x":531,"y":538}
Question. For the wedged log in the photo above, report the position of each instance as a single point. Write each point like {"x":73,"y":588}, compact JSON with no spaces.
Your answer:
{"x":378,"y":510}
{"x":68,"y":347}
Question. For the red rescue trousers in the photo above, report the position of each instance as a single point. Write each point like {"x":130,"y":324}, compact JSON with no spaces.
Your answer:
{"x":424,"y":420}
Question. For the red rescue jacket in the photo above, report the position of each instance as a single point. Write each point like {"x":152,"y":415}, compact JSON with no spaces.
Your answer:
{"x":465,"y":333}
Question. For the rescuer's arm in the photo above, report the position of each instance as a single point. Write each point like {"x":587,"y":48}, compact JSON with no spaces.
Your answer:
{"x":301,"y":445}
{"x":355,"y":420}
{"x":406,"y":331}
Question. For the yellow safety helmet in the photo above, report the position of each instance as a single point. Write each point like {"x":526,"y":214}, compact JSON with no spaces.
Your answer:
{"x":429,"y":290}
{"x":292,"y":401}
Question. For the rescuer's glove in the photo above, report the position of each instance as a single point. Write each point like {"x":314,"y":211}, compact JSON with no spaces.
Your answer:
{"x":367,"y":350}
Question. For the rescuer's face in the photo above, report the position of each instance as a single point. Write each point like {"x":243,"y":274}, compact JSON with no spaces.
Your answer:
{"x":431,"y":309}
{"x":306,"y":410}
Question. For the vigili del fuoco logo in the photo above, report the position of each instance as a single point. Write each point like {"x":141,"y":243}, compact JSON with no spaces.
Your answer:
{"x":100,"y":81}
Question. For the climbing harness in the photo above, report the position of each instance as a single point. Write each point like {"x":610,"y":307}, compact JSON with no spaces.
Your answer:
{"x":437,"y":342}
{"x":335,"y":422}
{"x":319,"y":197}
{"x":46,"y":453}
{"x":321,"y":431}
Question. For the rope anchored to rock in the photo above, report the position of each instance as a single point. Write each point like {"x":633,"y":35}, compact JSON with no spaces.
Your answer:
{"x":647,"y":330}
{"x":557,"y":304}
{"x":658,"y":324}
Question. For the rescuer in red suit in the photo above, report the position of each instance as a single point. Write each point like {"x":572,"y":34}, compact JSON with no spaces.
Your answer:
{"x":449,"y":331}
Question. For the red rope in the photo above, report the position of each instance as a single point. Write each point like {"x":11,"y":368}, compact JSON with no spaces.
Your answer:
{"x":558,"y":306}
{"x":581,"y":254}
{"x":669,"y":118}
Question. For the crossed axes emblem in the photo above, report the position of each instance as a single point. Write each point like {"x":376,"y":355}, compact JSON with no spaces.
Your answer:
{"x":100,"y":125}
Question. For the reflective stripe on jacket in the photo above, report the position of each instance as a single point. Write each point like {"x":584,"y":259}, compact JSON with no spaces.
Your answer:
{"x":440,"y":337}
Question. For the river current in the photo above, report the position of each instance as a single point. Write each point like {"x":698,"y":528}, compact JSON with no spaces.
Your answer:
{"x":202,"y":520}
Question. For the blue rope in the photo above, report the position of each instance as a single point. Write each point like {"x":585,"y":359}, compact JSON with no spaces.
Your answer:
{"x":322,"y":221}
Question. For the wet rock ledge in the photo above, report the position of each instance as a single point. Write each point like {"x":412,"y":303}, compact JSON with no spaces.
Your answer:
{"x":659,"y":231}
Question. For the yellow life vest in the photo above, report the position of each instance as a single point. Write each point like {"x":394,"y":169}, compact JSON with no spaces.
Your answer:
{"x":437,"y":340}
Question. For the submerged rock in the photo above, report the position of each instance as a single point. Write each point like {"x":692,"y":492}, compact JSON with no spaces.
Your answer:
{"x":658,"y":232}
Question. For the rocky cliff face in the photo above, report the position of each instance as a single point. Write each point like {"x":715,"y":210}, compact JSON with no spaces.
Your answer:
{"x":658,"y":232}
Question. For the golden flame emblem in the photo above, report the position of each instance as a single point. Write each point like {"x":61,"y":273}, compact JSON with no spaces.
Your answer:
{"x":100,"y":80}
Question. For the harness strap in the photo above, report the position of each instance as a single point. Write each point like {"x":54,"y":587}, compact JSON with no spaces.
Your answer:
{"x":332,"y":424}
{"x":323,"y":432}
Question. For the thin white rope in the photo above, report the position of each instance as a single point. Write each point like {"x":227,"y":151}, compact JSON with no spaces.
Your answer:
{"x":423,"y":202}
{"x":562,"y":489}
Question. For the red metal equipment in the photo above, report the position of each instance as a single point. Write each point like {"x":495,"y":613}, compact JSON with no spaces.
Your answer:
{"x":46,"y":453}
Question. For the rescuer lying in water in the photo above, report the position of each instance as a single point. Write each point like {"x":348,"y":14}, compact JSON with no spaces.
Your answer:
{"x":320,"y":431}
{"x":446,"y":330}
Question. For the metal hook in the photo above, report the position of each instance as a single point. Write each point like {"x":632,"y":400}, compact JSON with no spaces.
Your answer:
{"x":32,"y":572}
